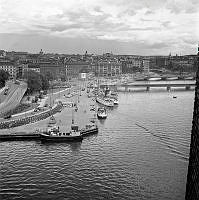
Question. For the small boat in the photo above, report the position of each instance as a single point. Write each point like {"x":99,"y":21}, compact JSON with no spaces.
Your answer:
{"x":114,"y":99}
{"x":92,"y":109}
{"x":189,"y":78}
{"x":101,"y":113}
{"x":53,"y":134}
{"x":154,"y":79}
{"x":52,"y":121}
{"x":89,"y":129}
{"x":172,"y":78}
{"x":68,"y":95}
{"x":105,"y":101}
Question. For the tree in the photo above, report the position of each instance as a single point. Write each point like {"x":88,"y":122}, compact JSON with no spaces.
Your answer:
{"x":49,"y":76}
{"x":33,"y":80}
{"x":45,"y":82}
{"x":3,"y":77}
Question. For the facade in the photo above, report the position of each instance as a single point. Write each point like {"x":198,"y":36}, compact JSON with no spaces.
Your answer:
{"x":74,"y":68}
{"x":108,"y":69}
{"x":8,"y":66}
{"x":146,"y":65}
{"x":21,"y":68}
{"x":192,"y":187}
{"x":55,"y":69}
{"x":132,"y":65}
{"x":33,"y":67}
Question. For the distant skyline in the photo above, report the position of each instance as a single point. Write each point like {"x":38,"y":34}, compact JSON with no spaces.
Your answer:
{"x":147,"y":27}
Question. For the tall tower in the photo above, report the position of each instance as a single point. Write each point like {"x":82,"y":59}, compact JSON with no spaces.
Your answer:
{"x":192,"y":187}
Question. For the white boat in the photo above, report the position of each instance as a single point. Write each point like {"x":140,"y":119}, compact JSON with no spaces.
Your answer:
{"x":154,"y":79}
{"x":105,"y":101}
{"x":115,"y":100}
{"x":114,"y":97}
{"x":52,"y":121}
{"x":189,"y":78}
{"x":172,"y":78}
{"x":68,"y":95}
{"x":101,"y":113}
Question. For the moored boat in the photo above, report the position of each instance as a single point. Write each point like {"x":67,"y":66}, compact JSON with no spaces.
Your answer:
{"x":189,"y":78}
{"x":89,"y":130}
{"x":101,"y":113}
{"x":52,"y":121}
{"x":55,"y":135}
{"x":172,"y":78}
{"x":105,"y":101}
{"x":154,"y":78}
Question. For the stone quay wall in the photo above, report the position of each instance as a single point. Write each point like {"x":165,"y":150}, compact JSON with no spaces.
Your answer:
{"x":30,"y":119}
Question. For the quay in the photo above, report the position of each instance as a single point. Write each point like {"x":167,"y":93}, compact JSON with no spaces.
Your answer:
{"x":19,"y":136}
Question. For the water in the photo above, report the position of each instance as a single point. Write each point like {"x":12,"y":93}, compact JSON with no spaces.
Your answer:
{"x":140,"y":152}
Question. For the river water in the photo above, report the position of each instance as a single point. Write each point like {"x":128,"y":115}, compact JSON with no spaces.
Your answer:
{"x":140,"y":152}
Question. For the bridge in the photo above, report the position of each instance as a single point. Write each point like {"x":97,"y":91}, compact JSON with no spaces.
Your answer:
{"x":168,"y":86}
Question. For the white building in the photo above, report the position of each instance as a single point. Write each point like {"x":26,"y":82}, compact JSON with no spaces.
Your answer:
{"x":146,"y":64}
{"x":109,"y":69}
{"x":8,"y":67}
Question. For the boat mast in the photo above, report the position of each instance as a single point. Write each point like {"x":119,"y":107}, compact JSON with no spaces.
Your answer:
{"x":72,"y":115}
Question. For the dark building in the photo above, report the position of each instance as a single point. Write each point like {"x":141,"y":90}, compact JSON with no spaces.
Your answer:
{"x":192,"y":187}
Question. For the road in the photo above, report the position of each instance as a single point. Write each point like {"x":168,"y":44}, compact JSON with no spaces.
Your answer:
{"x":13,"y":98}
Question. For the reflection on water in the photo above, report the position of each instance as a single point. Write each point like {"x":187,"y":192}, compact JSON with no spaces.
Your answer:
{"x":73,"y":146}
{"x":140,"y":152}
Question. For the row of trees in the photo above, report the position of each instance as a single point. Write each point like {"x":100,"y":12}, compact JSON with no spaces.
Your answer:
{"x":36,"y":81}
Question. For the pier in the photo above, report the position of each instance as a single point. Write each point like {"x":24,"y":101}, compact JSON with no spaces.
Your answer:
{"x":19,"y":136}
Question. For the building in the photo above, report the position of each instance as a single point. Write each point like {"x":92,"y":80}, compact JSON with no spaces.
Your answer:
{"x":131,"y":65}
{"x":73,"y":68}
{"x":2,"y":54}
{"x":108,"y":69}
{"x":21,"y":68}
{"x":33,"y":67}
{"x":54,"y":69}
{"x":192,"y":186}
{"x":9,"y":67}
{"x":146,"y":65}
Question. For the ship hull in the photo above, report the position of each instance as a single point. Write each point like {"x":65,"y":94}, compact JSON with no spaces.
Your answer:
{"x":89,"y":131}
{"x":48,"y":138}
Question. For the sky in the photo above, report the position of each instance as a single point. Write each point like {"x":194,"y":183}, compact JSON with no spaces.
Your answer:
{"x":144,"y":27}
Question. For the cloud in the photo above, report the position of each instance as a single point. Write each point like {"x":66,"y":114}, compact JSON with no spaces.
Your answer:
{"x":154,"y":23}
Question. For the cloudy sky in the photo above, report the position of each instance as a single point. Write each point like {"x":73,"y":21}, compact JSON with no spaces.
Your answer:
{"x":145,"y":27}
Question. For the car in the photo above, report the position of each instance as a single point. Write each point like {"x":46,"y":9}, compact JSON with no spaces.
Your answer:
{"x":6,"y":91}
{"x":36,"y":109}
{"x":7,"y":116}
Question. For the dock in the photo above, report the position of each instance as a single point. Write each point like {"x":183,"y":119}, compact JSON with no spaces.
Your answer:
{"x":19,"y":136}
